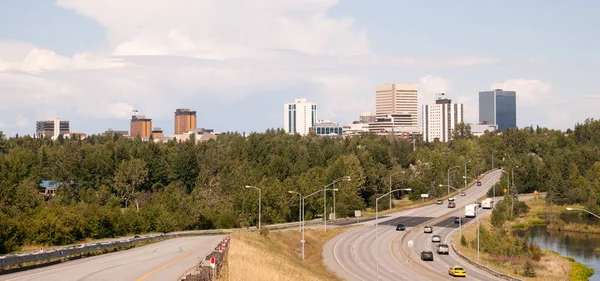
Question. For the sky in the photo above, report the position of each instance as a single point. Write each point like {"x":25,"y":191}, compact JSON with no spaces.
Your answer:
{"x":237,"y":62}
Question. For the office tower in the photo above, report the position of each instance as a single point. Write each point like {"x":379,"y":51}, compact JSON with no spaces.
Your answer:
{"x":140,"y":125}
{"x":185,"y":120}
{"x":399,"y":100}
{"x":51,"y":128}
{"x":440,"y":119}
{"x":499,"y":108}
{"x":299,"y":116}
{"x":157,"y":133}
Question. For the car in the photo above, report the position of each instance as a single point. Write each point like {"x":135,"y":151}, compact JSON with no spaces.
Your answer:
{"x":443,"y":249}
{"x":457,"y":220}
{"x":427,"y":255}
{"x":457,"y":271}
{"x":428,"y":229}
{"x":436,"y":238}
{"x":478,"y":183}
{"x":451,"y":199}
{"x":462,"y":194}
{"x":400,"y":227}
{"x":451,"y":205}
{"x":439,"y":202}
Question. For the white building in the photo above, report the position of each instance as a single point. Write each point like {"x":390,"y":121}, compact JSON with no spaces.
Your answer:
{"x":440,"y":120}
{"x":299,"y":116}
{"x":398,"y":99}
{"x":52,"y":128}
{"x":479,"y":129}
{"x":327,"y":128}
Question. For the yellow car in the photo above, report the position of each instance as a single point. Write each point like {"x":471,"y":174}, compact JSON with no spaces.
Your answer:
{"x":457,"y":271}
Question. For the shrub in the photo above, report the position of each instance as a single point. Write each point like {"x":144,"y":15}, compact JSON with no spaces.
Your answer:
{"x":580,"y":272}
{"x":528,"y":270}
{"x":463,"y":241}
{"x":264,"y":231}
{"x":535,"y":251}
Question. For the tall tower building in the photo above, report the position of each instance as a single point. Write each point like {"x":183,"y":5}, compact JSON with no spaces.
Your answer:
{"x":51,"y":128}
{"x":440,"y":120}
{"x":398,"y":99}
{"x":299,"y":116}
{"x":499,"y":108}
{"x":140,"y":125}
{"x":185,"y":120}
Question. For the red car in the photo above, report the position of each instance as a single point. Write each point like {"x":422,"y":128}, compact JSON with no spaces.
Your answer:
{"x":451,"y":205}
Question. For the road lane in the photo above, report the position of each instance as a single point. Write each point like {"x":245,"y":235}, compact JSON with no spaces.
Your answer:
{"x":166,"y":260}
{"x":394,"y":265}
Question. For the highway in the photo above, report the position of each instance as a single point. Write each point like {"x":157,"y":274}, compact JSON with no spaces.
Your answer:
{"x":166,"y":260}
{"x":352,"y":255}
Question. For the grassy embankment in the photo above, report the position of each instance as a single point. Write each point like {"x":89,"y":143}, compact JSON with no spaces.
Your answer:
{"x":551,"y":266}
{"x":278,"y":256}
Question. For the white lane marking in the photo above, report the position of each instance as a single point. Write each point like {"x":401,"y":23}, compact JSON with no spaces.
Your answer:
{"x":338,"y":260}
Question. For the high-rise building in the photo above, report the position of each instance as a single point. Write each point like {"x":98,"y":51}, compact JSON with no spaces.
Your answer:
{"x":397,"y":99}
{"x":440,"y":120}
{"x":499,"y":108}
{"x":140,"y":125}
{"x":299,"y":116}
{"x":51,"y":128}
{"x":185,"y":120}
{"x":157,"y":133}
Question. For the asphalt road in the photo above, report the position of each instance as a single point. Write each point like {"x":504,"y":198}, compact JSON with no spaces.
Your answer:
{"x":352,"y":255}
{"x":166,"y":260}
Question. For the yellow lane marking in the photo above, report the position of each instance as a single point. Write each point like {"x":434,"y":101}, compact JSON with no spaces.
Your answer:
{"x":170,"y":263}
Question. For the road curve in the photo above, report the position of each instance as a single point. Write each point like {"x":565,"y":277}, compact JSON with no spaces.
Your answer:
{"x":352,"y":255}
{"x":166,"y":260}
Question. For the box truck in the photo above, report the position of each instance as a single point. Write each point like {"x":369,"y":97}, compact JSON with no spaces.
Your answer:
{"x":488,"y":203}
{"x":471,"y":210}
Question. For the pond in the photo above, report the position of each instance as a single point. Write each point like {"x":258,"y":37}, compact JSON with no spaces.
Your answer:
{"x":569,"y":244}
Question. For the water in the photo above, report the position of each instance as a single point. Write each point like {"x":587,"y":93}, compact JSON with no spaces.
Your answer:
{"x":579,"y":246}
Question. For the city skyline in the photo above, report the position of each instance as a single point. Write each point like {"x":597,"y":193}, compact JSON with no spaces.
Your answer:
{"x":93,"y":62}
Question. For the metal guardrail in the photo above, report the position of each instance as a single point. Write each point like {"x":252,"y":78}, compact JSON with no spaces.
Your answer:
{"x":483,"y":267}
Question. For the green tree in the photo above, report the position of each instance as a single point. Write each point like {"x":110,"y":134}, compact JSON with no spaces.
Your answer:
{"x":130,"y":175}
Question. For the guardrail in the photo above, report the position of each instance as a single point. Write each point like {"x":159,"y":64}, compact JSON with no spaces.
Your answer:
{"x":210,"y":267}
{"x":483,"y":267}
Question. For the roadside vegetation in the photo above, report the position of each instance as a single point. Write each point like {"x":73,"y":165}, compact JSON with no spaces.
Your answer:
{"x":112,"y":186}
{"x":505,"y":252}
{"x":277,"y":255}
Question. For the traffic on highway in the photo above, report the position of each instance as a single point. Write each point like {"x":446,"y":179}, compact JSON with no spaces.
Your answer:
{"x":413,"y":244}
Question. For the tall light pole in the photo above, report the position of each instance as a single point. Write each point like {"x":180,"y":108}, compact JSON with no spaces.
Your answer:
{"x":377,"y":224}
{"x":584,"y":210}
{"x":304,"y":215}
{"x":391,"y":186}
{"x":449,"y":178}
{"x":466,"y":173}
{"x":346,"y":178}
{"x":512,"y":199}
{"x":259,"y":202}
{"x":299,"y":210}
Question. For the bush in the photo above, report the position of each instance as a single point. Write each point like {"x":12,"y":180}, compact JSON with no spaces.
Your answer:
{"x":264,"y":231}
{"x":535,"y":251}
{"x":528,"y":270}
{"x":580,"y":272}
{"x":463,"y":241}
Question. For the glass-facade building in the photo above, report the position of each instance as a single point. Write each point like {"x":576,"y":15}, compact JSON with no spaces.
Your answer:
{"x":499,"y":108}
{"x":327,"y":128}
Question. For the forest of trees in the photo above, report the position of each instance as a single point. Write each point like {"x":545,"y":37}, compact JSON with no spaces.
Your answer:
{"x":113,"y":186}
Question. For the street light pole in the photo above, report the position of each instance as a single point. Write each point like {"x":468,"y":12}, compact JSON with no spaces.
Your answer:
{"x":377,"y":224}
{"x":466,"y":173}
{"x":578,"y":209}
{"x":299,"y":210}
{"x":259,"y":202}
{"x":449,"y":178}
{"x":346,"y":178}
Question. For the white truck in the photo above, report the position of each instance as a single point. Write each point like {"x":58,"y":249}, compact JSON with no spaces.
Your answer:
{"x":471,"y":210}
{"x":488,"y":203}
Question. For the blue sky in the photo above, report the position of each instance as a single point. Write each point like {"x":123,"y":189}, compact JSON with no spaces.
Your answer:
{"x":92,"y":62}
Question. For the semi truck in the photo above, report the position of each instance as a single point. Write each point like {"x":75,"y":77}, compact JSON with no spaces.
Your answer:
{"x":488,"y":203}
{"x":471,"y":210}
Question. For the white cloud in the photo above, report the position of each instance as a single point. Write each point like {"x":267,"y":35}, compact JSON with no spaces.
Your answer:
{"x":529,"y":92}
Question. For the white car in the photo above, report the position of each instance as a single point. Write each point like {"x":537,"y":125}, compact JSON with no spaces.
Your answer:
{"x":451,"y":199}
{"x":436,"y":238}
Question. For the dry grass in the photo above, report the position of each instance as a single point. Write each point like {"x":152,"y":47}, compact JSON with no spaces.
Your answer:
{"x":551,"y":267}
{"x":278,"y":256}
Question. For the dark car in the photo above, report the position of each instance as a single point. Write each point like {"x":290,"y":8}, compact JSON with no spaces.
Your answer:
{"x":427,"y":255}
{"x":400,"y":227}
{"x":451,"y":205}
{"x":478,"y":183}
{"x":439,"y":202}
{"x":457,"y":220}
